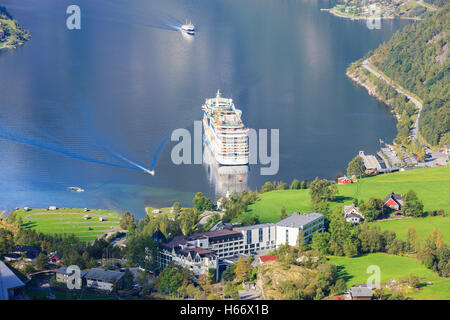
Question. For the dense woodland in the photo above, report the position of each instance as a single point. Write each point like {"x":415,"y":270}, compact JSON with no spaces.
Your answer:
{"x":416,"y":58}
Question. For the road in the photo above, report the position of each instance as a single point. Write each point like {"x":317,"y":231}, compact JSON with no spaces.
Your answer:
{"x":415,"y":128}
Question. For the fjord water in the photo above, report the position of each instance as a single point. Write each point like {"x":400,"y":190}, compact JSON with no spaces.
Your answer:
{"x":75,"y":104}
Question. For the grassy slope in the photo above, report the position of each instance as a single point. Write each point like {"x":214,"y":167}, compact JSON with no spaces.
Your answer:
{"x":353,"y":270}
{"x":70,"y":221}
{"x":424,"y":227}
{"x":436,"y":291}
{"x":431,"y":184}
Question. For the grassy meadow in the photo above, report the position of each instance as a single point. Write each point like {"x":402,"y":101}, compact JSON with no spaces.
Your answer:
{"x":432,"y":185}
{"x":70,"y":221}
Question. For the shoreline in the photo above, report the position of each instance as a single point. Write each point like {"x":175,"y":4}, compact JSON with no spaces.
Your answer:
{"x":334,"y":12}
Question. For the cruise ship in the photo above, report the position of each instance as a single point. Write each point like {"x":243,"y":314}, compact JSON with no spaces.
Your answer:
{"x":225,"y":134}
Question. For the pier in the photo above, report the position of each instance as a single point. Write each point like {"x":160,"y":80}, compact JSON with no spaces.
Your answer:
{"x":370,"y":161}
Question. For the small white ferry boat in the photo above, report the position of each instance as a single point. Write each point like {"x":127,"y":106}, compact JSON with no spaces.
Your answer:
{"x":188,"y":27}
{"x":77,"y":189}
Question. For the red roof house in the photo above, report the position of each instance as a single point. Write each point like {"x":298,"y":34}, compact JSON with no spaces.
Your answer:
{"x":263,"y":259}
{"x":54,"y":258}
{"x":344,"y":180}
{"x":394,"y":201}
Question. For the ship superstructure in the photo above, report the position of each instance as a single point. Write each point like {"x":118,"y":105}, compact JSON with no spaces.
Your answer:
{"x":225,"y":133}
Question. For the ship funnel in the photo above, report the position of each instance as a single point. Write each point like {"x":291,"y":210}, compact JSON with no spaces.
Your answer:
{"x":218,"y":93}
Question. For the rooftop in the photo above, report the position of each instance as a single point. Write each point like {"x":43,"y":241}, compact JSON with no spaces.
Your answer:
{"x":297,"y":219}
{"x":8,"y":280}
{"x":255,"y":226}
{"x":361,"y":292}
{"x":104,"y":275}
{"x":63,"y":270}
{"x":267,"y":258}
{"x":211,"y":235}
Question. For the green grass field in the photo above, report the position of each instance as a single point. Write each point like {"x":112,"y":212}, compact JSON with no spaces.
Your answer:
{"x":424,"y":227}
{"x":436,"y":291}
{"x":70,"y":221}
{"x":431,"y":184}
{"x":353,"y":270}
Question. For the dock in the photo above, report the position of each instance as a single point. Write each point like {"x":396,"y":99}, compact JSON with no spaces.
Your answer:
{"x":370,"y":161}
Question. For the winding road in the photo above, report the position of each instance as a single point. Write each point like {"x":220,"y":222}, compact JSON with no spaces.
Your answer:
{"x":399,"y":89}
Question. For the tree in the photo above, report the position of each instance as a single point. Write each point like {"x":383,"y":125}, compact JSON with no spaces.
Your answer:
{"x":229,"y":274}
{"x":411,"y":239}
{"x":340,"y":286}
{"x":295,"y":185}
{"x":268,"y":186}
{"x":176,"y":208}
{"x":6,"y":241}
{"x":356,"y":167}
{"x":412,"y":206}
{"x":322,"y":190}
{"x":413,"y":281}
{"x":283,"y":213}
{"x":243,"y":269}
{"x":301,"y":243}
{"x":187,"y":219}
{"x":372,"y":209}
{"x":41,"y":261}
{"x":231,"y":290}
{"x":128,"y":280}
{"x":202,"y":203}
{"x":320,"y":242}
{"x":127,"y":221}
{"x":143,"y":251}
{"x":304,"y":184}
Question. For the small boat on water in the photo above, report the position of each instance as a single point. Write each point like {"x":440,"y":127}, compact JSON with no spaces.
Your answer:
{"x":77,"y":189}
{"x":188,"y":27}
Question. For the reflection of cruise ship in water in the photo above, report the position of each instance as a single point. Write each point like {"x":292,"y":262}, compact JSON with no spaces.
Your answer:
{"x":225,"y":134}
{"x":226,"y":179}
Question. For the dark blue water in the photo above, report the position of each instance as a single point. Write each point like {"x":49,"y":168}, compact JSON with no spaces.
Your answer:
{"x":75,"y":104}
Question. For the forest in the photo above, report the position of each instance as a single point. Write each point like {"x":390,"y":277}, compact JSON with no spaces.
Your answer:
{"x":416,"y":58}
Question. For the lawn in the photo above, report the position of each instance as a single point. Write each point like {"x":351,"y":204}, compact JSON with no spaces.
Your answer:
{"x":436,"y":291}
{"x":353,"y":270}
{"x":432,"y":185}
{"x":424,"y":227}
{"x":70,"y":221}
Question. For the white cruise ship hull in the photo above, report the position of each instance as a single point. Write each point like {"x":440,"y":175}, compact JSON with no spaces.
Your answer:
{"x":209,"y":138}
{"x":225,"y":134}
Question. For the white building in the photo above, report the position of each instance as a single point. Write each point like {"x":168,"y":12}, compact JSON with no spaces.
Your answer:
{"x":289,"y":227}
{"x":102,"y":279}
{"x":259,"y":237}
{"x":352,"y":214}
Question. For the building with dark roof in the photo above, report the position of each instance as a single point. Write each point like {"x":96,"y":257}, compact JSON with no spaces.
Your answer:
{"x":361,"y":293}
{"x":102,"y":279}
{"x":10,"y":284}
{"x":30,"y":252}
{"x":62,"y":275}
{"x":202,"y":251}
{"x":394,"y":201}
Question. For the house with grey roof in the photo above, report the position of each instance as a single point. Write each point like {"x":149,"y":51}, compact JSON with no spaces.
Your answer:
{"x":10,"y":284}
{"x":361,"y":293}
{"x":352,"y":214}
{"x":62,"y":275}
{"x":103,"y":279}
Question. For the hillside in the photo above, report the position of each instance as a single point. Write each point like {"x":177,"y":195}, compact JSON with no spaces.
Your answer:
{"x":431,"y":184}
{"x":11,"y":33}
{"x":417,"y":59}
